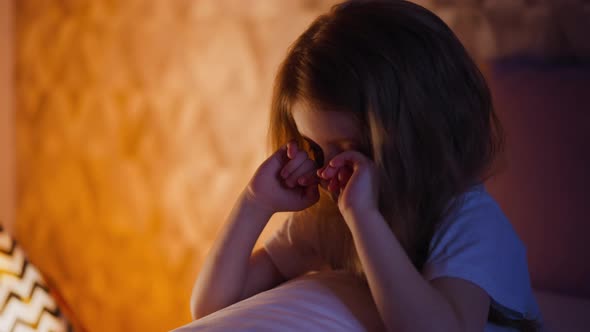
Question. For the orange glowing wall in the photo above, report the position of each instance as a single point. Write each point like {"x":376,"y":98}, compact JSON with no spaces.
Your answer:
{"x":7,"y":171}
{"x":138,"y":124}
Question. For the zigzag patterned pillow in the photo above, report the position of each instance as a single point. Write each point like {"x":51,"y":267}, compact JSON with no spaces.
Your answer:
{"x":25,"y":301}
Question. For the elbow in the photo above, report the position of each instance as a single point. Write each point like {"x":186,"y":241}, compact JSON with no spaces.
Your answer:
{"x":206,"y":303}
{"x":195,"y":312}
{"x":196,"y":315}
{"x":199,"y":305}
{"x":198,"y":310}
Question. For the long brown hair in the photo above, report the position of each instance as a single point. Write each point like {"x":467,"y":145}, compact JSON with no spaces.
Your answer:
{"x":421,"y":101}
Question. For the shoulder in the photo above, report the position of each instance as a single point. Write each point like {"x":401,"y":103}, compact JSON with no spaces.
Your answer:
{"x":477,"y":218}
{"x":477,"y":243}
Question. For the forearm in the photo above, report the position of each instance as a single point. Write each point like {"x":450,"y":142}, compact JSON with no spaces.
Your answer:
{"x":224,"y":272}
{"x":405,"y":300}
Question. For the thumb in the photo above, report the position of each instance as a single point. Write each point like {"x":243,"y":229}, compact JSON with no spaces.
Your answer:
{"x":280,"y":156}
{"x":292,"y":149}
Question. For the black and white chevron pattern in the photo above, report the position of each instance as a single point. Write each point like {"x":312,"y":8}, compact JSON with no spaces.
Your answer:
{"x":25,"y":302}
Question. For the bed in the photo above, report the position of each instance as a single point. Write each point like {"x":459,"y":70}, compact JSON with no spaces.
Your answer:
{"x":336,"y":301}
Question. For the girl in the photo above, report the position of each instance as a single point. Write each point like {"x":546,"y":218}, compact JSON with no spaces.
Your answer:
{"x":383,"y":131}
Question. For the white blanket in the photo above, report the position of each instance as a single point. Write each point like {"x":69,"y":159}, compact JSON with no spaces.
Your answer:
{"x":322,"y":301}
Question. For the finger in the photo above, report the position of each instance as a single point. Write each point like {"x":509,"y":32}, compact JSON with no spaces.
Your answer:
{"x":344,"y":175}
{"x":292,"y":149}
{"x":294,"y":164}
{"x":308,"y":179}
{"x":281,"y":155}
{"x":333,"y":186}
{"x":321,"y":170}
{"x":329,"y":172}
{"x":353,"y":157}
{"x":305,"y":168}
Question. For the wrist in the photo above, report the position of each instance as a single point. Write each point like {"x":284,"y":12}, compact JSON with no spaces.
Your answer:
{"x":356,"y":214}
{"x":249,"y":203}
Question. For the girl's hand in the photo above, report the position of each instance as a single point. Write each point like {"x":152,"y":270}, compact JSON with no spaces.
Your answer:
{"x":352,"y":176}
{"x":286,"y":181}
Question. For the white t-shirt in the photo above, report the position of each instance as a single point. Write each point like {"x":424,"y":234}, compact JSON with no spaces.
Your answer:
{"x":476,"y":243}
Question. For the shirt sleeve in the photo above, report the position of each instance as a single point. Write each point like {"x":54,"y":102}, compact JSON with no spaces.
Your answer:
{"x":478,"y":244}
{"x":293,"y":247}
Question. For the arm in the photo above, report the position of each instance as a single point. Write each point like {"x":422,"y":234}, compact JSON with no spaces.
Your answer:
{"x":229,"y":273}
{"x":405,"y":300}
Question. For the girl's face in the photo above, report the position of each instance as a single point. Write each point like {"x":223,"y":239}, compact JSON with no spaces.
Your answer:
{"x":327,"y":132}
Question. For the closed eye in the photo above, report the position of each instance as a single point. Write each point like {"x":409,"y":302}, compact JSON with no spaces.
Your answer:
{"x":316,"y":150}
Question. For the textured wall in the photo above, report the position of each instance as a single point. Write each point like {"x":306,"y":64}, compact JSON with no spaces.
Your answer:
{"x":507,"y":27}
{"x":139,"y":122}
{"x":6,"y":115}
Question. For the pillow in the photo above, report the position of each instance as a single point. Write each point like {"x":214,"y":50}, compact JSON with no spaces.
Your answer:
{"x":319,"y":301}
{"x":26,"y":303}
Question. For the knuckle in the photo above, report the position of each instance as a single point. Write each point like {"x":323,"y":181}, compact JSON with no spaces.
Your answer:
{"x":301,"y":154}
{"x":290,"y":165}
